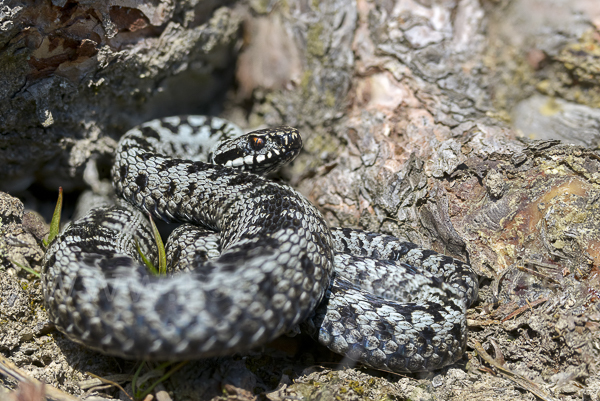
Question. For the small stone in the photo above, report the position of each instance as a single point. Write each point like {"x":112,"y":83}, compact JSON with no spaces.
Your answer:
{"x":11,"y":210}
{"x":35,"y":224}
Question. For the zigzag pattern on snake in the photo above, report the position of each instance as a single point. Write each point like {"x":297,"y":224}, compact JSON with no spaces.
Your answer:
{"x":269,"y":263}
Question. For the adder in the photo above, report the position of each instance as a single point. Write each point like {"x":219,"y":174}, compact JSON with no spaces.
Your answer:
{"x":264,"y":260}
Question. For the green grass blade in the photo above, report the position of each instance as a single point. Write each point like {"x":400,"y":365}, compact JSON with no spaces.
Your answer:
{"x":136,"y":376}
{"x":55,"y":223}
{"x":26,"y":268}
{"x":162,"y":258}
{"x":146,"y":261}
{"x":163,"y":378}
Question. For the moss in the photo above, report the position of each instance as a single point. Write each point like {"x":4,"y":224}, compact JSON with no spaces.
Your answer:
{"x":572,"y":75}
{"x":329,"y":99}
{"x":550,"y":108}
{"x":342,"y":385}
{"x":305,"y":81}
{"x":314,"y":43}
{"x":582,"y":58}
{"x":322,"y":142}
{"x":357,"y":387}
{"x":260,"y":6}
{"x":576,"y":72}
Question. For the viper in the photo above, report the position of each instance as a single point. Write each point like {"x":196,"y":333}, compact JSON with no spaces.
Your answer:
{"x":255,"y":260}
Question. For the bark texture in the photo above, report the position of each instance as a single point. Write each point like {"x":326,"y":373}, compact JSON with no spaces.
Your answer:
{"x":76,"y":74}
{"x":436,"y":121}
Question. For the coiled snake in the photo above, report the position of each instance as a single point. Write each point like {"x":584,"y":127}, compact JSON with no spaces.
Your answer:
{"x":267,"y":261}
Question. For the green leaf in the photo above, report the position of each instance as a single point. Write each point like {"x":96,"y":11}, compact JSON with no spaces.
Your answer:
{"x":26,"y":268}
{"x":162,"y":257}
{"x":141,"y":393}
{"x":146,"y":261}
{"x":55,"y":223}
{"x":134,"y":384}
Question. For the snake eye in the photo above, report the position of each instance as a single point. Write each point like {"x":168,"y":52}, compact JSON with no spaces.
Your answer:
{"x":256,"y":142}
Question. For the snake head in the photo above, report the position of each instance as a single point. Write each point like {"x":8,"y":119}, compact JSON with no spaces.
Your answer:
{"x":261,"y":151}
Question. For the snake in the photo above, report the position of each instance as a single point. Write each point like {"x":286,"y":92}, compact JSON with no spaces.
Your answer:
{"x":253,"y":260}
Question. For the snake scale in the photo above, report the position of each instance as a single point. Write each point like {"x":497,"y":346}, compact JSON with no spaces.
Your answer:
{"x":258,"y":260}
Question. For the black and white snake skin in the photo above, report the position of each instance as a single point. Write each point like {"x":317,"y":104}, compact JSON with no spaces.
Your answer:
{"x":265,"y":264}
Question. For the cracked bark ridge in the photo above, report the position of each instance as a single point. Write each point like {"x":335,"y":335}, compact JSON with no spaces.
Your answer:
{"x":75,"y":75}
{"x":405,"y":105}
{"x":544,"y":212}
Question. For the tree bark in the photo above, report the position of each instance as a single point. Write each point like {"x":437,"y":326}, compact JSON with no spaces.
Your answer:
{"x":438,"y":122}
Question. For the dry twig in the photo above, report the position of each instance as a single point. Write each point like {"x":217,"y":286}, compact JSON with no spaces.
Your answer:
{"x":8,"y":369}
{"x":517,"y":379}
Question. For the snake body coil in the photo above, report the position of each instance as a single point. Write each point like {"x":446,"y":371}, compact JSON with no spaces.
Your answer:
{"x":390,"y":305}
